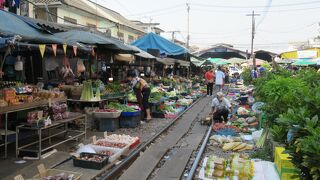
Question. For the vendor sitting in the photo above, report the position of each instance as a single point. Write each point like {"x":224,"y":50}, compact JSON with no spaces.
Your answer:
{"x":220,"y":108}
{"x":142,"y":91}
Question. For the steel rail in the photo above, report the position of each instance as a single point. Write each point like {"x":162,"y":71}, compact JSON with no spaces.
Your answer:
{"x":127,"y":161}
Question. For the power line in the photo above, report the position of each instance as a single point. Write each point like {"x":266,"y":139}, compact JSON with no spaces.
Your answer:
{"x":252,"y":7}
{"x":157,"y":10}
{"x":236,"y":12}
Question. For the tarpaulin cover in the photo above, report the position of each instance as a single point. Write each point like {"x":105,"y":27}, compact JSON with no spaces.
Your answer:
{"x":85,"y":37}
{"x":154,"y":41}
{"x":142,"y":53}
{"x":167,"y":61}
{"x":11,"y":24}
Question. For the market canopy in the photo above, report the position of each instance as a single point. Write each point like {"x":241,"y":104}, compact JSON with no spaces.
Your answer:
{"x":167,"y":61}
{"x":196,"y":61}
{"x":124,"y":57}
{"x":236,"y":60}
{"x":304,"y":62}
{"x":183,"y":63}
{"x":85,"y":37}
{"x":154,"y":41}
{"x":11,"y":25}
{"x":259,"y":62}
{"x":142,"y":53}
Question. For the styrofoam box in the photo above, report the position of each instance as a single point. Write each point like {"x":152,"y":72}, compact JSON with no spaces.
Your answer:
{"x":117,"y":152}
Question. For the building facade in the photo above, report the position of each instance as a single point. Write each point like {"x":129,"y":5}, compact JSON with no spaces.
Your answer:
{"x":84,"y":13}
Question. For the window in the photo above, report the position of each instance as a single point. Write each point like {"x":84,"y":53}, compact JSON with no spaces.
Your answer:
{"x":130,"y":38}
{"x":121,"y":36}
{"x":68,"y":20}
{"x":93,"y":26}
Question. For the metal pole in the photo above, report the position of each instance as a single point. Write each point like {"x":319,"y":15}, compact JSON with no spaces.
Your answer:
{"x":198,"y":158}
{"x":188,"y":25}
{"x":6,"y":137}
{"x":252,"y":36}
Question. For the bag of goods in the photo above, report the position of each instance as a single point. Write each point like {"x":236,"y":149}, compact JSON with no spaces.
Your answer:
{"x":9,"y":94}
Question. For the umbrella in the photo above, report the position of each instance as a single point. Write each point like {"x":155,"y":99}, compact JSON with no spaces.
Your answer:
{"x":236,"y":60}
{"x":259,"y":62}
{"x":214,"y":60}
{"x":304,"y":63}
{"x":222,"y":63}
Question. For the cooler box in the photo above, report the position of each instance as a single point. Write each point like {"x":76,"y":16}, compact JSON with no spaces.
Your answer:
{"x":283,"y":165}
{"x":130,"y":119}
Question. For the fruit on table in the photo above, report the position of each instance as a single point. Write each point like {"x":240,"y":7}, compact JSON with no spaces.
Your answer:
{"x":91,"y":157}
{"x":111,"y":144}
{"x":106,"y":110}
{"x":237,"y":146}
{"x":108,"y":153}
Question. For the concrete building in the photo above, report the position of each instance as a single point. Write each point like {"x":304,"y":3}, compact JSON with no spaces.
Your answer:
{"x":88,"y":14}
{"x":149,"y":27}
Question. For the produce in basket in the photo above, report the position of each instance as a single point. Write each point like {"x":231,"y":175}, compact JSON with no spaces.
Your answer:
{"x":92,"y":157}
{"x":111,"y":144}
{"x":108,"y":153}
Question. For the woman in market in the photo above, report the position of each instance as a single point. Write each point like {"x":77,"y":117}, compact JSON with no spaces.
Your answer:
{"x":142,"y":91}
{"x":221,"y":107}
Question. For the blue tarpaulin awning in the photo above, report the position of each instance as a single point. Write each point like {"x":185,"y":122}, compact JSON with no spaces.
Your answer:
{"x":11,"y":25}
{"x":154,"y":41}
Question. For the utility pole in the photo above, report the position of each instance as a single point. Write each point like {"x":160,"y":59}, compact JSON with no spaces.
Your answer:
{"x":253,"y":31}
{"x":188,"y":25}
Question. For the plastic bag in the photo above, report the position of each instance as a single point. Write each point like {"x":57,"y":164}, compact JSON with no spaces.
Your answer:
{"x":80,"y":66}
{"x":256,"y":135}
{"x":18,"y":66}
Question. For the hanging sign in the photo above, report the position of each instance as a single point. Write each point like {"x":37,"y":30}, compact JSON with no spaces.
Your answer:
{"x":54,"y":49}
{"x":64,"y":49}
{"x":75,"y":50}
{"x":42,"y":48}
{"x":307,"y":54}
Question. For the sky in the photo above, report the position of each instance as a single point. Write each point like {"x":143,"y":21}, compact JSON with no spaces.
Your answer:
{"x":279,"y":23}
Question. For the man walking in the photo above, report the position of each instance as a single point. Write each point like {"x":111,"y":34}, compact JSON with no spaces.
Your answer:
{"x":209,"y":76}
{"x":219,"y":79}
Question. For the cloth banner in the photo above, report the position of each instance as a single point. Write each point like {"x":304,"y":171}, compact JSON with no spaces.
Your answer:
{"x":54,"y":49}
{"x":64,"y":49}
{"x":75,"y":50}
{"x":42,"y":48}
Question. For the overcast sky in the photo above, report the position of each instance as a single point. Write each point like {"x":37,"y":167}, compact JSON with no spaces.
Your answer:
{"x":225,"y":21}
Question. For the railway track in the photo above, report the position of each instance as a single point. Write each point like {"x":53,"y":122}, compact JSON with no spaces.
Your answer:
{"x":169,"y":153}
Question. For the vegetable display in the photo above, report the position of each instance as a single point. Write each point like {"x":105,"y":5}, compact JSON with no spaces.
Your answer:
{"x":111,"y":144}
{"x":122,"y":107}
{"x":61,"y":176}
{"x":87,"y":91}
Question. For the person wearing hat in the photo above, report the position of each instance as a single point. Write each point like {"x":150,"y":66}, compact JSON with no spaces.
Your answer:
{"x":142,"y":91}
{"x":221,"y":107}
{"x":209,"y":76}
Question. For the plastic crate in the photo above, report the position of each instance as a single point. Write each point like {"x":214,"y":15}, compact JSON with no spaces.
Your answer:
{"x":130,"y":114}
{"x":90,"y":164}
{"x":158,"y":115}
{"x":130,"y":121}
{"x":107,"y":124}
{"x":107,"y":114}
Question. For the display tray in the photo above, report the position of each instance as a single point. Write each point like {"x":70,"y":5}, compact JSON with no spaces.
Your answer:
{"x":117,"y":152}
{"x":31,"y":105}
{"x":53,"y":172}
{"x":90,"y":164}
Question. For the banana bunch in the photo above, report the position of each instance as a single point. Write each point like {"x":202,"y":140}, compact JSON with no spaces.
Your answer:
{"x":237,"y":146}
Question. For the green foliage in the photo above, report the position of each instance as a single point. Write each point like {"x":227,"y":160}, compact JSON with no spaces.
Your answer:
{"x":246,"y":76}
{"x":280,"y":94}
{"x":264,"y":153}
{"x":279,"y":133}
{"x":292,"y":103}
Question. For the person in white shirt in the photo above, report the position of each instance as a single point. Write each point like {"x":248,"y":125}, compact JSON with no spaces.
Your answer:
{"x":221,"y":108}
{"x":219,"y":79}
